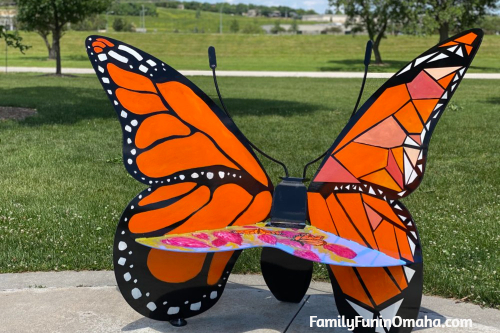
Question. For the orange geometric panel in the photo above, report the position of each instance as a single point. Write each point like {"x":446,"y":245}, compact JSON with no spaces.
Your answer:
{"x":409,"y":119}
{"x":383,"y":208}
{"x":444,"y":82}
{"x":342,"y":222}
{"x":467,"y":39}
{"x":349,"y":283}
{"x":382,"y":178}
{"x":448,"y":44}
{"x":468,"y":48}
{"x":319,"y":214}
{"x":378,"y":283}
{"x":355,"y":209}
{"x":398,"y":274}
{"x":386,"y":239}
{"x":398,"y":156}
{"x":404,"y":246}
{"x":374,"y":158}
{"x":425,"y":107}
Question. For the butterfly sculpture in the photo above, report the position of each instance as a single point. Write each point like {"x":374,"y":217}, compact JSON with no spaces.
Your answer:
{"x":208,"y":196}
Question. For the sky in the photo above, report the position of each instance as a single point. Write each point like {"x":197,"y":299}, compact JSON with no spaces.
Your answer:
{"x":318,"y":5}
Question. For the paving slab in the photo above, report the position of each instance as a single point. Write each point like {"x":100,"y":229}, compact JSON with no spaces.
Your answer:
{"x":90,"y":302}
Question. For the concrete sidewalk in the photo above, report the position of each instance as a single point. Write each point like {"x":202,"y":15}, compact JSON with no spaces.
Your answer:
{"x":319,"y":75}
{"x":90,"y":302}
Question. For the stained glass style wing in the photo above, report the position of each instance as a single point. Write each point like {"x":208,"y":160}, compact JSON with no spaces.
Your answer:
{"x":382,"y":150}
{"x":378,"y":158}
{"x":201,"y":174}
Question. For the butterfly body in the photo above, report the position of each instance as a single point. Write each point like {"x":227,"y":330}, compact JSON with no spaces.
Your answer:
{"x":178,"y":240}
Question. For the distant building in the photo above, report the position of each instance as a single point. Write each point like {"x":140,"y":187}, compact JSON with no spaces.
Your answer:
{"x":275,"y":13}
{"x":7,"y":17}
{"x":181,"y":7}
{"x":251,"y":13}
{"x":311,"y":29}
{"x":325,"y":18}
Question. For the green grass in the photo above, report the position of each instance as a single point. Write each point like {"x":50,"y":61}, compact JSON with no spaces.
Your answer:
{"x":256,"y":52}
{"x":64,"y":186}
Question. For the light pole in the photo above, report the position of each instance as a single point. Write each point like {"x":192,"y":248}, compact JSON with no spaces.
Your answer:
{"x":222,"y":6}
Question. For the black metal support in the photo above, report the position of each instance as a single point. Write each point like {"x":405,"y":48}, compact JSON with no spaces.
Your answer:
{"x":179,"y":322}
{"x":287,"y":277}
{"x":289,"y":208}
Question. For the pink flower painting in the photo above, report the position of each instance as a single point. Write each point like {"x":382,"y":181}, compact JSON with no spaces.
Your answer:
{"x":201,"y":235}
{"x":229,"y":236}
{"x":269,"y":239}
{"x":340,"y":250}
{"x":185,"y":242}
{"x":309,"y":255}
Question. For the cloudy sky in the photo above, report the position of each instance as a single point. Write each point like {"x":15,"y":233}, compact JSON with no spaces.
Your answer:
{"x":318,"y":5}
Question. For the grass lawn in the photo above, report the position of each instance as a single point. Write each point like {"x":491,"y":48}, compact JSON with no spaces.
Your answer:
{"x":64,"y":186}
{"x":255,"y":52}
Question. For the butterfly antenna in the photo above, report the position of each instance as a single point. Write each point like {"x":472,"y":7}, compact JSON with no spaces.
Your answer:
{"x":212,"y":59}
{"x":368,"y":55}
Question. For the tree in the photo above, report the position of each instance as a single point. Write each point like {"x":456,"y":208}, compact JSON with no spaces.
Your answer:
{"x":449,"y":15}
{"x":50,"y":17}
{"x":12,"y":39}
{"x":235,"y":26}
{"x":373,"y":16}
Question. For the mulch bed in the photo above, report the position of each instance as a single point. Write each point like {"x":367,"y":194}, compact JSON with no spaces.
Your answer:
{"x":9,"y":112}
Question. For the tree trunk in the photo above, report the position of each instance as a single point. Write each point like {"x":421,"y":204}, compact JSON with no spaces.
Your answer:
{"x":50,"y":47}
{"x":56,"y":36}
{"x":376,"y":51}
{"x":444,"y":29}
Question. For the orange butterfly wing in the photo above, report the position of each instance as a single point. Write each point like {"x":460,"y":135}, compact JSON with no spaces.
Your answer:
{"x":201,"y":172}
{"x":383,"y":148}
{"x":379,"y":157}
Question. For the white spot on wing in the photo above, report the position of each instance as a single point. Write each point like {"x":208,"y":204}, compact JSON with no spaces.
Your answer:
{"x":118,"y":57}
{"x":136,"y":293}
{"x":151,"y":63}
{"x":143,"y":68}
{"x":105,"y":80}
{"x":173,"y":310}
{"x":130,"y":51}
{"x":151,"y":306}
{"x":122,"y":246}
{"x":195,"y":306}
{"x":102,"y":57}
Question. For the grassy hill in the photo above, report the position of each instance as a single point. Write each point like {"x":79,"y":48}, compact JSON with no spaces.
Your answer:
{"x":185,"y":21}
{"x":255,"y":52}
